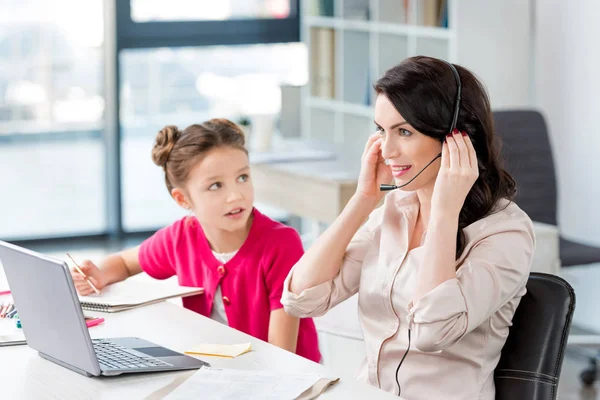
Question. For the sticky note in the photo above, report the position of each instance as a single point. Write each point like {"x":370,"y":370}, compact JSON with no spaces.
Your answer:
{"x":221,"y":350}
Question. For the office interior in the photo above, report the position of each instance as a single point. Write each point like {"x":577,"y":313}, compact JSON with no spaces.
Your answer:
{"x":86,"y":85}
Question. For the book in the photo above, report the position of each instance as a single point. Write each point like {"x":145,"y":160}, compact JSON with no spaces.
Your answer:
{"x":322,"y":62}
{"x":133,"y":293}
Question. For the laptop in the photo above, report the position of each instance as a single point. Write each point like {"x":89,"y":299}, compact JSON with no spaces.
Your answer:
{"x":54,"y":325}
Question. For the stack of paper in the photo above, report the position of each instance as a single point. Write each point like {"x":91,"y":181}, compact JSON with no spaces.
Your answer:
{"x":231,"y":384}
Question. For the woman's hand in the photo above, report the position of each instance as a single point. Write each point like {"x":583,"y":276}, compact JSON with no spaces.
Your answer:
{"x":373,"y":170}
{"x":93,"y":273}
{"x":458,"y":172}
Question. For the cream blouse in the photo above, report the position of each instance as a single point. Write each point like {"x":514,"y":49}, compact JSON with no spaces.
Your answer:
{"x":457,"y":329}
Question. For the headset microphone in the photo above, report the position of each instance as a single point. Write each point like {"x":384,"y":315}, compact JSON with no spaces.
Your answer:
{"x":384,"y":187}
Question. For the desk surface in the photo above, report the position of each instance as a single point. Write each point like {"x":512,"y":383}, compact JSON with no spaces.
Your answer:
{"x":25,"y":375}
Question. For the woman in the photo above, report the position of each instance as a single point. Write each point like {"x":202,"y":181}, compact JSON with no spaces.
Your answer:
{"x":440,"y":268}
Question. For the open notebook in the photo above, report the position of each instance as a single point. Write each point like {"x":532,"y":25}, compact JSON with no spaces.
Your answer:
{"x":133,"y":293}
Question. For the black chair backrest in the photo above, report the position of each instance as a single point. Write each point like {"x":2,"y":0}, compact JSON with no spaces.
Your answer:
{"x":532,"y":357}
{"x":528,"y":157}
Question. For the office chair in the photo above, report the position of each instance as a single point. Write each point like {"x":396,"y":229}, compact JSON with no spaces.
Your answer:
{"x":531,"y":360}
{"x":528,"y":156}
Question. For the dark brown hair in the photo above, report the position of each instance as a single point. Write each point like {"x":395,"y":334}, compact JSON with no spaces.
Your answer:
{"x":423,"y":90}
{"x":179,"y":151}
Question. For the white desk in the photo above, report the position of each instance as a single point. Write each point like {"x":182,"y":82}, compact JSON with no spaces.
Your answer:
{"x":25,"y":375}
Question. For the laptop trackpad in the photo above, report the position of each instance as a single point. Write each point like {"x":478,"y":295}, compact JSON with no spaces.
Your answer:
{"x":157,"y":351}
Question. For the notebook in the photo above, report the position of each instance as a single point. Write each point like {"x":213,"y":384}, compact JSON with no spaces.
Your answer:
{"x":133,"y":293}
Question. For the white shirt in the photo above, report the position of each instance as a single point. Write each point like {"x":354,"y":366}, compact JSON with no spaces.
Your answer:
{"x":218,"y":310}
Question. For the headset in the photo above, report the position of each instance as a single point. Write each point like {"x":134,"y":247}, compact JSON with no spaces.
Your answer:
{"x":384,"y":188}
{"x":393,"y":187}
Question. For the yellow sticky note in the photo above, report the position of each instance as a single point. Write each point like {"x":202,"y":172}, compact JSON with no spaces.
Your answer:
{"x":221,"y":350}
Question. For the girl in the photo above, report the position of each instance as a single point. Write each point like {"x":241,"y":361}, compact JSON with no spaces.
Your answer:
{"x":441,"y":267}
{"x":238,"y":255}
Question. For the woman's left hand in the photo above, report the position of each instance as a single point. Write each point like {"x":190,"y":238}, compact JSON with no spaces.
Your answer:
{"x":458,"y":172}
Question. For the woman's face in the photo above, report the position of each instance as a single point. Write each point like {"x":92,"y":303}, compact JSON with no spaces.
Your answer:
{"x":405,"y":149}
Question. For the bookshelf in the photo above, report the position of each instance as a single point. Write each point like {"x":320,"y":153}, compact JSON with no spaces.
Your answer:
{"x":350,"y":44}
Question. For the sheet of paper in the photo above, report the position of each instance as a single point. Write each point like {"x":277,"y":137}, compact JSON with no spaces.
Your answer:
{"x":231,"y":384}
{"x":221,"y":350}
{"x":9,"y":333}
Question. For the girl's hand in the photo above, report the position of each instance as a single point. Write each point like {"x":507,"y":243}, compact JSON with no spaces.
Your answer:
{"x":373,"y":170}
{"x":93,"y":273}
{"x":458,"y":172}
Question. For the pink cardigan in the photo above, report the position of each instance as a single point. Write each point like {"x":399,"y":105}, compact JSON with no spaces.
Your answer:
{"x":251,"y":282}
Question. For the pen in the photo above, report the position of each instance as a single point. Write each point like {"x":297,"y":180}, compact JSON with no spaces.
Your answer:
{"x":84,"y":275}
{"x":94,"y":322}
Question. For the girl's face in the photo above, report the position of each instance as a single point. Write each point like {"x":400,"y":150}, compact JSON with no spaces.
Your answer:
{"x":220,"y":190}
{"x":405,"y":149}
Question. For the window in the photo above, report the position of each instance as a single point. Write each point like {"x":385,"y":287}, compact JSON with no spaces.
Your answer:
{"x":183,"y":86}
{"x":51,"y":110}
{"x":66,"y":172}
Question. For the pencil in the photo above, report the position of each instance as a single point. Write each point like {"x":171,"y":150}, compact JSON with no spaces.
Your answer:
{"x":84,"y":275}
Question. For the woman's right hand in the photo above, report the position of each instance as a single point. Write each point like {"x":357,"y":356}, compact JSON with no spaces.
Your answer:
{"x":373,"y":171}
{"x":93,"y":273}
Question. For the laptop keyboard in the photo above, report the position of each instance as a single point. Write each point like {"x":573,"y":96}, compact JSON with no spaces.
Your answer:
{"x":112,"y":356}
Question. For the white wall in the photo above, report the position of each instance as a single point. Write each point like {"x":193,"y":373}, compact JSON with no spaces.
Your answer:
{"x":493,"y":41}
{"x":550,"y":65}
{"x":567,"y":90}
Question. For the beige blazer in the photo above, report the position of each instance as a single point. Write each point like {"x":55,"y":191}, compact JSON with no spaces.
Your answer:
{"x":457,"y":329}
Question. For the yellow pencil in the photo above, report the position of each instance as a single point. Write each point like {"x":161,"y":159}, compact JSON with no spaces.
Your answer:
{"x":84,"y":275}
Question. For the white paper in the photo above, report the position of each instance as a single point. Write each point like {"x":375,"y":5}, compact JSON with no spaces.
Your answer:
{"x":232,"y":384}
{"x":9,"y":331}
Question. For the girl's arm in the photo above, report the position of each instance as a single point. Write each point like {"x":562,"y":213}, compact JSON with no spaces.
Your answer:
{"x":283,"y":330}
{"x":115,"y":268}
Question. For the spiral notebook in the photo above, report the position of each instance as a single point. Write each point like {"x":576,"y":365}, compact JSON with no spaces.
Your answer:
{"x":133,"y":293}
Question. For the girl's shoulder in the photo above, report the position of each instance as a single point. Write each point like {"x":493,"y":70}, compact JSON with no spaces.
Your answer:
{"x":268,"y":231}
{"x":187,"y":226}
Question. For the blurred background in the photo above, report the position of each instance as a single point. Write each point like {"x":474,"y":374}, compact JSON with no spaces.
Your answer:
{"x":85,"y":86}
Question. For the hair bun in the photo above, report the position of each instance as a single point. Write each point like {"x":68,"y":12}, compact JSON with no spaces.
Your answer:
{"x":165,"y":141}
